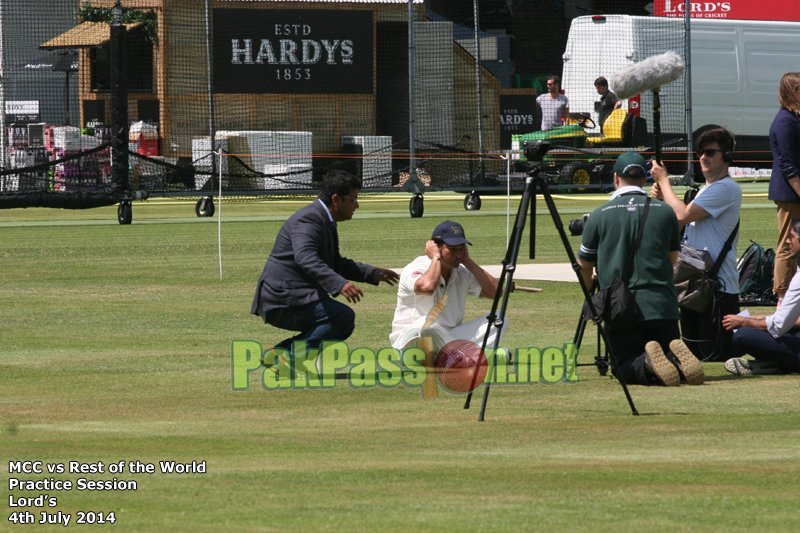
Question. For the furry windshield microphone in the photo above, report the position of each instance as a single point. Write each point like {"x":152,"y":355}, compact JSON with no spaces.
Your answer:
{"x":647,"y":75}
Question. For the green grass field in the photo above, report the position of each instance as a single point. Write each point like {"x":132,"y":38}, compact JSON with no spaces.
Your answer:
{"x":116,"y":347}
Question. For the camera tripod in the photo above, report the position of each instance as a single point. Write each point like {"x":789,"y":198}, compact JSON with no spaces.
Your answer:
{"x":535,"y":152}
{"x":600,"y":360}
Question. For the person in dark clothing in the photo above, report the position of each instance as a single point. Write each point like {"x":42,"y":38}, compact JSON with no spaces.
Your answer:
{"x":784,"y":185}
{"x":608,"y":100}
{"x":305,"y":269}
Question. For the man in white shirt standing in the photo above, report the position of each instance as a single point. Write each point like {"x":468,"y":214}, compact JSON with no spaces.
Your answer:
{"x":446,"y":268}
{"x":554,"y":105}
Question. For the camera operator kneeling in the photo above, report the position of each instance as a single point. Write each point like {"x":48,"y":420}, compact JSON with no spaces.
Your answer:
{"x":649,"y":351}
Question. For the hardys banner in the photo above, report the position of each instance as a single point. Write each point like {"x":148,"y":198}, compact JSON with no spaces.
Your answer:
{"x":281,"y":51}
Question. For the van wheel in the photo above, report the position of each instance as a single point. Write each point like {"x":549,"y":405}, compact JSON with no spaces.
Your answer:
{"x":577,"y":174}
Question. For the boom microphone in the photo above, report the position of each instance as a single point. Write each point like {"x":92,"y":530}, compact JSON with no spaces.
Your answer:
{"x":647,"y":75}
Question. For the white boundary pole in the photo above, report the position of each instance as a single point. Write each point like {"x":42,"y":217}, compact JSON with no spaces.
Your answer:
{"x":478,"y":84}
{"x":412,"y":114}
{"x":508,"y":194}
{"x":219,"y":214}
{"x":3,"y":180}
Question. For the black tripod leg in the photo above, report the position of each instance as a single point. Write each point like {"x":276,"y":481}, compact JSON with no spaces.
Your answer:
{"x":601,"y":360}
{"x":494,"y":320}
{"x":576,"y":267}
{"x":579,"y":331}
{"x":509,"y":264}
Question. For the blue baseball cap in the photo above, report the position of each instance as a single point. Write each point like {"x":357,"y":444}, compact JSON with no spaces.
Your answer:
{"x":451,"y":233}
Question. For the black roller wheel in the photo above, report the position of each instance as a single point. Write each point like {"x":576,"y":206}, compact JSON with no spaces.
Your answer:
{"x":472,"y":202}
{"x":416,"y":207}
{"x":205,"y":207}
{"x":124,"y":212}
{"x":577,"y":174}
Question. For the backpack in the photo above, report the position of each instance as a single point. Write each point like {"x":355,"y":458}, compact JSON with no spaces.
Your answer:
{"x":755,"y":276}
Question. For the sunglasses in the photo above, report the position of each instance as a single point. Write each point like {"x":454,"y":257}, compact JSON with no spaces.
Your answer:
{"x":708,"y":152}
{"x":353,"y":199}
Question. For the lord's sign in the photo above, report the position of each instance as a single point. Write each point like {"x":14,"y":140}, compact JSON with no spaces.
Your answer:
{"x":730,"y":9}
{"x":280,"y":51}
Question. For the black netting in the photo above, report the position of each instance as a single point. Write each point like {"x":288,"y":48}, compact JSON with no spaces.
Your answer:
{"x":296,"y":89}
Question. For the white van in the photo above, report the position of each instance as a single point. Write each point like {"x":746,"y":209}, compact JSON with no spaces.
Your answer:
{"x":736,"y":68}
{"x":601,"y":45}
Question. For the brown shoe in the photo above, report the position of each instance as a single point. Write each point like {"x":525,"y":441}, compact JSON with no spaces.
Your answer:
{"x":687,"y":363}
{"x":658,"y":364}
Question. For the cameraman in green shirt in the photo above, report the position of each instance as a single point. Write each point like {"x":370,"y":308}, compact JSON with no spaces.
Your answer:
{"x":649,"y":351}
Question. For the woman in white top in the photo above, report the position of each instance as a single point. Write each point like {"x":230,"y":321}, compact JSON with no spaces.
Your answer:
{"x":774,"y":340}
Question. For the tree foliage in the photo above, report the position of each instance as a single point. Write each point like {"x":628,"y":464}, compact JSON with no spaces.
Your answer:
{"x":90,"y":13}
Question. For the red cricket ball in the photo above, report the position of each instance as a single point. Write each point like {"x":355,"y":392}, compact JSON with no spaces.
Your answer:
{"x":456,"y":365}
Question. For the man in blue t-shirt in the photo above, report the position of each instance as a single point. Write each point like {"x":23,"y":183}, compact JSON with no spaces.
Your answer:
{"x":710,"y":219}
{"x":649,"y":351}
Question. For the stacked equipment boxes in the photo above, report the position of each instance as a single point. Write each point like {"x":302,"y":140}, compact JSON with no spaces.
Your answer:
{"x":375,"y":164}
{"x":81,"y":174}
{"x":240,"y":164}
{"x":23,"y":158}
{"x":36,"y":135}
{"x":285,"y":177}
{"x":40,"y":144}
{"x":201,"y":158}
{"x":69,"y":138}
{"x":284,"y":156}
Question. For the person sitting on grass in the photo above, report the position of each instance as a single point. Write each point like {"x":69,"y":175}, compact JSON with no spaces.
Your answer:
{"x":774,"y":340}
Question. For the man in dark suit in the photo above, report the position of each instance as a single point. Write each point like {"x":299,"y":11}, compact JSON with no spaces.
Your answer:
{"x":305,"y":269}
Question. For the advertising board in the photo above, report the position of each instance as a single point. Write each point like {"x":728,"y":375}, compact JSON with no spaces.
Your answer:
{"x":292,"y":51}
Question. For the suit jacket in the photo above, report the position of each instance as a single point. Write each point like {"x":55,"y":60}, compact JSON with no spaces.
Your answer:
{"x":304,"y":265}
{"x":784,"y":139}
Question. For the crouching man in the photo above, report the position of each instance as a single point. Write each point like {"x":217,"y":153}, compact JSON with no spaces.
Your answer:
{"x":445,"y":269}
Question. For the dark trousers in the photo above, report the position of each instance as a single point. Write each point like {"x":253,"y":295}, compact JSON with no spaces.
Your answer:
{"x":703,"y":333}
{"x":325,"y":320}
{"x":784,"y":350}
{"x":628,"y":348}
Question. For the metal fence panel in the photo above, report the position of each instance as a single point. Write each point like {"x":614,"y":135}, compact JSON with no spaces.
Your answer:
{"x":299,"y":88}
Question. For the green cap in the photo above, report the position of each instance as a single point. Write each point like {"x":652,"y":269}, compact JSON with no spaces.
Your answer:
{"x":627,"y":164}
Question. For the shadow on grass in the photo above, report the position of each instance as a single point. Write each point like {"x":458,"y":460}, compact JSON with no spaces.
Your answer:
{"x":728,"y":378}
{"x":666,"y":414}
